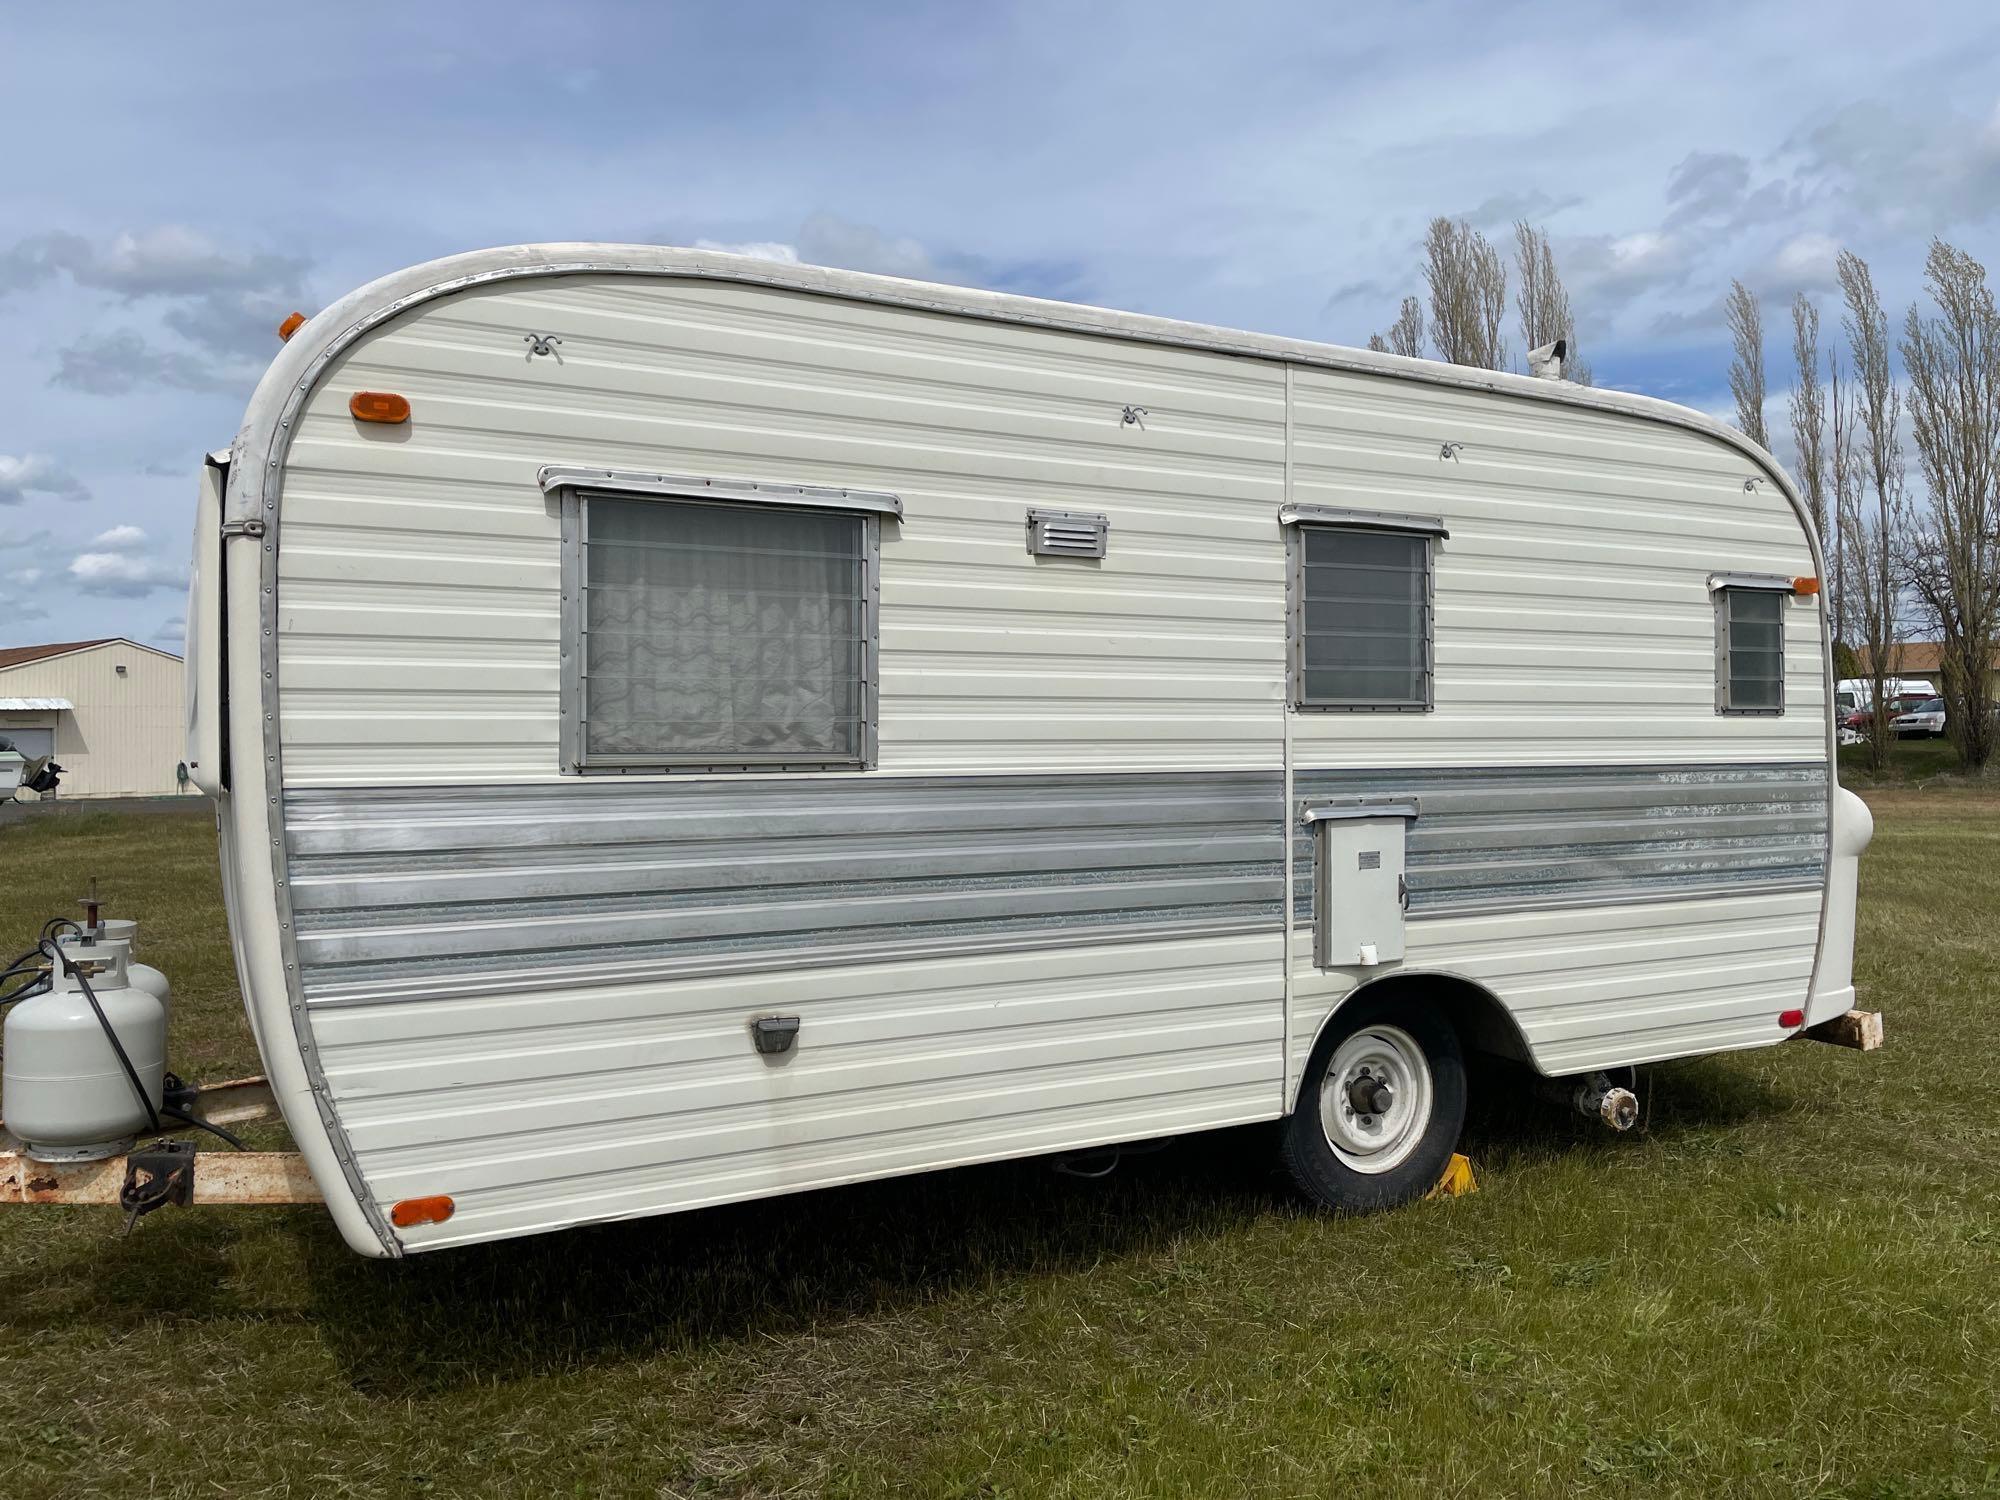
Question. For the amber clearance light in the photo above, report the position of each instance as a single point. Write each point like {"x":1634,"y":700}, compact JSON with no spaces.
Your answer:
{"x":291,"y":325}
{"x":414,"y":1211}
{"x":1805,"y":585}
{"x":379,"y":406}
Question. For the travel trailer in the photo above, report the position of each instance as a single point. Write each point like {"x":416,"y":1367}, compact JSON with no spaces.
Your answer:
{"x":688,"y":728}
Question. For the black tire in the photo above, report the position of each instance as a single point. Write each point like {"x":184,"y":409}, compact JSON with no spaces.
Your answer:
{"x":1421,"y":1157}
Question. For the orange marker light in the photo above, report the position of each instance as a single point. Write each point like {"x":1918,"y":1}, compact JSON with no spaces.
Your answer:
{"x":1805,"y":585}
{"x":412,"y":1211}
{"x":291,"y":325}
{"x":379,"y":406}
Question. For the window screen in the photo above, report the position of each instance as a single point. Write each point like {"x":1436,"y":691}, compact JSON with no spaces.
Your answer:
{"x":722,"y":635}
{"x":1750,"y":676}
{"x":1364,"y":623}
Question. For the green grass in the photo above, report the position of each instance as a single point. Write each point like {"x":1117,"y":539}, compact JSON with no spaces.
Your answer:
{"x":1911,"y":762}
{"x":1787,"y":1284}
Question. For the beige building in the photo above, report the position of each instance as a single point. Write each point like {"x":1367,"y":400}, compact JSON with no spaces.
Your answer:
{"x":110,"y":711}
{"x":1925,"y":659}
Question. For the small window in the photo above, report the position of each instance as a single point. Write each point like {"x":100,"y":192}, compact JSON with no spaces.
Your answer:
{"x":1750,"y":650}
{"x":717,"y":636}
{"x":1362,"y":620}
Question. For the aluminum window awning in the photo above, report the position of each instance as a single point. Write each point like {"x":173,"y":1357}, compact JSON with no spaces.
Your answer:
{"x":36,"y":706}
{"x":555,"y":477}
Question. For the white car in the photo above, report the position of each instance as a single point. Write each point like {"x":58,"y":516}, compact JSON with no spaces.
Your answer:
{"x":1924,"y":722}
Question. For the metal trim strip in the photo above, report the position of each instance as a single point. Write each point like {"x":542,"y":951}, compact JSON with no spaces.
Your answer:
{"x":1361,"y":520}
{"x":553,"y":477}
{"x":1768,"y":582}
{"x":1334,"y":812}
{"x":447,"y":987}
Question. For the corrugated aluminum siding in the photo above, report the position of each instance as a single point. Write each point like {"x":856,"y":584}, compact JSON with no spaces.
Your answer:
{"x":1573,"y":623}
{"x":1596,"y":987}
{"x":420,"y":572}
{"x":406,"y":893}
{"x":1508,"y":839}
{"x":545,"y":1108}
{"x":420,"y":892}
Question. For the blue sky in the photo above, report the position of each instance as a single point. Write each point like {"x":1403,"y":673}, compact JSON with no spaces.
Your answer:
{"x":178,"y":178}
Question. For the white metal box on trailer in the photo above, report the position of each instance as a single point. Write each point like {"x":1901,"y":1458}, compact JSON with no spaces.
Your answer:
{"x":688,"y":729}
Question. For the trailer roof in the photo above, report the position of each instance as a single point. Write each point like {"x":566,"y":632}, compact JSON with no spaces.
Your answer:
{"x":324,"y":336}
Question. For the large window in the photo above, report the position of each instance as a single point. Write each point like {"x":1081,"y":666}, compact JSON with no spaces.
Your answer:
{"x":714,"y":635}
{"x":1750,"y":645}
{"x":1361,"y":636}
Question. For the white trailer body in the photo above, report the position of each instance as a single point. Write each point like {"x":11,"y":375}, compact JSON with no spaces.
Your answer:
{"x":696,"y":654}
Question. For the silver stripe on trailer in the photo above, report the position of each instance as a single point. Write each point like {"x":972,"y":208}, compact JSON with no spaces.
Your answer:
{"x":415,"y":893}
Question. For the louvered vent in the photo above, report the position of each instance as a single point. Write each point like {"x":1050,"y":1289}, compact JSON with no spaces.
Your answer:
{"x":1067,"y":533}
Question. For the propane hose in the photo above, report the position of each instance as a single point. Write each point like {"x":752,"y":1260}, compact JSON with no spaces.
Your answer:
{"x":110,"y":1033}
{"x":31,"y":963}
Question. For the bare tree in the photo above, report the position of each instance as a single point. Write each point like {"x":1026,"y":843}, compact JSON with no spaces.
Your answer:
{"x":1808,"y":408}
{"x":1953,"y":363}
{"x":1746,"y":367}
{"x":1867,"y":544}
{"x":1406,"y":334}
{"x":1543,"y":300}
{"x":1468,"y":286}
{"x":1874,"y":546}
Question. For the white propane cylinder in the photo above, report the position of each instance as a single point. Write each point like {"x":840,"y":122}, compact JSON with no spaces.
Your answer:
{"x":63,"y":1092}
{"x":138,"y":975}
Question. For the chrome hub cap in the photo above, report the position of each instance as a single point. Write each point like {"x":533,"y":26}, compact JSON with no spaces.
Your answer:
{"x":1376,"y":1100}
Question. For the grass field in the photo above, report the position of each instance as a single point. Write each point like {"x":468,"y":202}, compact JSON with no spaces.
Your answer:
{"x":1787,"y":1284}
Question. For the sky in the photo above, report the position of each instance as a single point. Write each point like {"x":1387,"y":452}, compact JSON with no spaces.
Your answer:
{"x":179,"y":178}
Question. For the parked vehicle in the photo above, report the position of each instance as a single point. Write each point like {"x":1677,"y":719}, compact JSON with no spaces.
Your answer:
{"x":821,"y":727}
{"x":1924,"y":722}
{"x":1856,"y":694}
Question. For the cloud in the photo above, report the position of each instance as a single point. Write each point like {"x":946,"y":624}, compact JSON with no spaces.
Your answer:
{"x":35,"y":474}
{"x":1905,"y":166}
{"x":173,"y":628}
{"x":1609,"y":270}
{"x":828,"y":240}
{"x":169,"y":261}
{"x":1804,"y":263}
{"x":224,"y":304}
{"x":1707,"y":185}
{"x":1502,"y":210}
{"x":26,"y":577}
{"x":784,"y":254}
{"x":112,"y":364}
{"x":121,"y":575}
{"x":119,"y":539}
{"x":1687,"y":323}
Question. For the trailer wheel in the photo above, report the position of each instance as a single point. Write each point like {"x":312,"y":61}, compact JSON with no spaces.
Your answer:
{"x":1380,"y":1107}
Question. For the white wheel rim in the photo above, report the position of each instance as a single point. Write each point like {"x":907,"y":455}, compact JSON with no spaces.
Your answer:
{"x":1365,"y":1139}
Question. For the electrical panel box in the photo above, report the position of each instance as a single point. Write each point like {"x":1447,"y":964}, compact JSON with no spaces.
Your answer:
{"x":1359,"y":891}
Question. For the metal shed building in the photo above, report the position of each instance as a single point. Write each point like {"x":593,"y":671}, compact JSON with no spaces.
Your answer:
{"x":110,"y":711}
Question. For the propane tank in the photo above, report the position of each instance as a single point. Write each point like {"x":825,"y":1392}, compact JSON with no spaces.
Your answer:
{"x":138,"y":975}
{"x":66,"y":1097}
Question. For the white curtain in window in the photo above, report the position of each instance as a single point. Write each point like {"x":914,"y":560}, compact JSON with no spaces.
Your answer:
{"x":719,"y":632}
